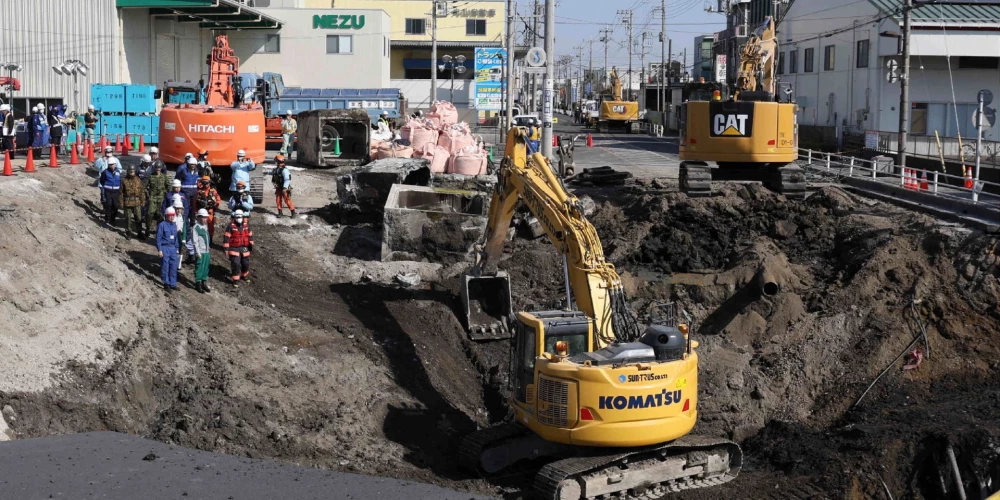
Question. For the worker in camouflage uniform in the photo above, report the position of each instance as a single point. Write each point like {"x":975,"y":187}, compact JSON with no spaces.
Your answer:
{"x":157,"y":185}
{"x":133,"y":198}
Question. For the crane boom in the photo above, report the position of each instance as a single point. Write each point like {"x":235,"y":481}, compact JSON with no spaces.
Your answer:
{"x":595,"y":284}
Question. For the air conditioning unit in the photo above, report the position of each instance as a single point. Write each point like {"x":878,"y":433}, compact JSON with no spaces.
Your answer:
{"x":741,"y":31}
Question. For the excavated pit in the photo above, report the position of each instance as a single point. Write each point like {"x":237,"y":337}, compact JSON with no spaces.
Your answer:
{"x":324,"y":360}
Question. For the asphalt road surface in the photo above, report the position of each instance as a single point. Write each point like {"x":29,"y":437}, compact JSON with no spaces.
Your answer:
{"x":114,"y":466}
{"x":640,"y":154}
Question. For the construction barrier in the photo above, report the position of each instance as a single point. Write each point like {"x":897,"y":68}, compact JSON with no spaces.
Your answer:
{"x":8,"y":170}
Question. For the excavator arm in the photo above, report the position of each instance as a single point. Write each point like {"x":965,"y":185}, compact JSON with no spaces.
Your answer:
{"x":224,"y":68}
{"x":757,"y":61}
{"x":594,"y":283}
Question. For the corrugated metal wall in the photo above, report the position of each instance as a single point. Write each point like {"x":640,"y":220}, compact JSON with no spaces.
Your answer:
{"x":136,"y":39}
{"x":38,"y":34}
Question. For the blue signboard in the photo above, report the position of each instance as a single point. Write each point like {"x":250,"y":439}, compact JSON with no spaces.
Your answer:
{"x":489,"y":84}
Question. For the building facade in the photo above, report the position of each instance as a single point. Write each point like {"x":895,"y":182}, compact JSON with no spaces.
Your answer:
{"x":704,"y":58}
{"x":836,"y":64}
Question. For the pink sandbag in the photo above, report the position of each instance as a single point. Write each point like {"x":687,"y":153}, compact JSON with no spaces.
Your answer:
{"x":469,"y":160}
{"x":454,"y":139}
{"x":421,"y":136}
{"x":437,"y":155}
{"x":374,"y":146}
{"x":388,"y":150}
{"x":446,"y":113}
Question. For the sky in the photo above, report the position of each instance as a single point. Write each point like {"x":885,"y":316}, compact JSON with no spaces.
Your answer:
{"x":578,"y":21}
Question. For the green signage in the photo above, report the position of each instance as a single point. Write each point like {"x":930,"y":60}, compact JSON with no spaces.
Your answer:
{"x":342,"y":22}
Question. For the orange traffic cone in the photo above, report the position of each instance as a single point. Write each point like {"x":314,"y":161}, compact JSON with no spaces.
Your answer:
{"x":923,"y":180}
{"x":126,"y":145}
{"x":53,"y":158}
{"x":74,"y":155}
{"x":118,"y":144}
{"x":968,"y":178}
{"x":590,"y":140}
{"x":142,"y":144}
{"x":29,"y":165}
{"x":102,"y":143}
{"x":7,"y":169}
{"x":90,"y":151}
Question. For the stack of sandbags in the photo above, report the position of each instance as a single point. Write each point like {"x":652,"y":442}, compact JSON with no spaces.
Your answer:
{"x":455,"y":138}
{"x":391,"y":150}
{"x":374,"y":146}
{"x":443,"y":114}
{"x":437,"y":155}
{"x":470,"y":160}
{"x":420,"y":133}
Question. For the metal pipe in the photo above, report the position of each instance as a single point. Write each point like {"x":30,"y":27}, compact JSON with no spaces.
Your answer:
{"x":569,"y":293}
{"x":954,"y":470}
{"x":767,"y":281}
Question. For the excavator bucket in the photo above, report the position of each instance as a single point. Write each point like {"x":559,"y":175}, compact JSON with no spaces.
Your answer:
{"x":487,"y":307}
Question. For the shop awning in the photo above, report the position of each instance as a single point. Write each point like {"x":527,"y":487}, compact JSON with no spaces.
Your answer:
{"x":210,"y":14}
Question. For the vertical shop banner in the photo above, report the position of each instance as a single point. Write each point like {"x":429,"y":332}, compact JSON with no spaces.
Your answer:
{"x":489,"y":85}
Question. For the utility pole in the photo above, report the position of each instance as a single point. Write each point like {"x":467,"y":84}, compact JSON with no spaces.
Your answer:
{"x":605,"y":37}
{"x":904,"y":86}
{"x":579,"y":80}
{"x":434,"y":51}
{"x":550,"y":53}
{"x":642,"y":68}
{"x":511,"y":52}
{"x":533,"y":104}
{"x":628,"y":21}
{"x":590,"y":70}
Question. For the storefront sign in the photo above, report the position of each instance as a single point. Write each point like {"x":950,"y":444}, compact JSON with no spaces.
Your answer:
{"x":343,"y":22}
{"x":474,"y":12}
{"x":720,"y":68}
{"x":489,"y":84}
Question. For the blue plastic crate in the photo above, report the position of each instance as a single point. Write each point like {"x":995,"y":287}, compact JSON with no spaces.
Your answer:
{"x":154,"y":125}
{"x":139,"y":99}
{"x":108,"y":98}
{"x":112,"y":125}
{"x":136,"y":125}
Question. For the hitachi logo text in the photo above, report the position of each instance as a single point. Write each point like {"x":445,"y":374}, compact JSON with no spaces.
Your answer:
{"x":217,"y":129}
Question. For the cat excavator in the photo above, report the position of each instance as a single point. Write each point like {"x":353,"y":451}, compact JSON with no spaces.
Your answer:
{"x":750,"y":136}
{"x":609,"y":405}
{"x":615,"y":111}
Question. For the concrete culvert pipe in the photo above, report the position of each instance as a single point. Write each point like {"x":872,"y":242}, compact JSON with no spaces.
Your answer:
{"x":767,"y":281}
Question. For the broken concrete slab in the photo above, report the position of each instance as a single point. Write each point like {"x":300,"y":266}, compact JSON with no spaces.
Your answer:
{"x":482,"y":183}
{"x":367,"y":188}
{"x":432,"y":224}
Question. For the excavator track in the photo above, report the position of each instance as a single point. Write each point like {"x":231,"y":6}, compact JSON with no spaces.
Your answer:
{"x":790,"y":180}
{"x":471,"y":449}
{"x":643,"y":474}
{"x":695,"y":179}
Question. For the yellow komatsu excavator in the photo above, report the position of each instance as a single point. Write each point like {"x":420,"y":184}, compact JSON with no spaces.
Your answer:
{"x":615,"y":112}
{"x":608,"y":404}
{"x":751,"y":136}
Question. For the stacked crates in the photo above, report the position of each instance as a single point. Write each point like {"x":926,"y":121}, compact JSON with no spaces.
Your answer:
{"x":126,"y":109}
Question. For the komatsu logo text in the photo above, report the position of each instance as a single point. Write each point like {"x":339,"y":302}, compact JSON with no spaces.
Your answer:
{"x":735,"y":125}
{"x":215,"y":129}
{"x":662,"y":398}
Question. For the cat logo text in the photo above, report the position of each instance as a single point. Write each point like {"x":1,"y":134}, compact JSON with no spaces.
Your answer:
{"x":730,"y":125}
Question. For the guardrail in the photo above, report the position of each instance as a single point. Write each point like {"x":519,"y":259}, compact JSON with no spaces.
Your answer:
{"x":937,"y":183}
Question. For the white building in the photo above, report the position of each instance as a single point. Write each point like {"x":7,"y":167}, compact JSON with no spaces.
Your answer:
{"x":154,"y":41}
{"x":832,"y":54}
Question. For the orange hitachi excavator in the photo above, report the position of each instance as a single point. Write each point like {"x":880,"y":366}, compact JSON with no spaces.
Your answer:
{"x":223,"y":125}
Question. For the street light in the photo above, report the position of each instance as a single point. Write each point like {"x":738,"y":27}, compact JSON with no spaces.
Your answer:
{"x":10,"y":68}
{"x":450,"y":62}
{"x":73,"y":67}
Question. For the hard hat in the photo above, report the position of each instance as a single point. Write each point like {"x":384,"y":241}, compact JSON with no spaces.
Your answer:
{"x":188,"y":156}
{"x":4,"y":107}
{"x":171,"y":211}
{"x":206,"y":178}
{"x":112,"y":161}
{"x":385,"y":113}
{"x":203,"y":152}
{"x":147,"y":158}
{"x":202,"y":212}
{"x":90,"y":107}
{"x":240,"y":184}
{"x":279,"y":159}
{"x":109,"y":149}
{"x":178,"y":202}
{"x":154,"y":150}
{"x":192,"y":161}
{"x":238,"y":213}
{"x":176,"y":183}
{"x":288,"y":113}
{"x":241,"y":153}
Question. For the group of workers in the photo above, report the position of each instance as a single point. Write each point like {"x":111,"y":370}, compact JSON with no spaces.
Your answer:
{"x":44,"y":128}
{"x":183,"y":209}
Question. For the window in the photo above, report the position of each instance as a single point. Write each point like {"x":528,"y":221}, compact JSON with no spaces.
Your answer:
{"x":272,"y":45}
{"x":339,"y":44}
{"x":793,"y":61}
{"x":918,"y":118}
{"x":416,"y":26}
{"x":863,"y":46}
{"x":968,"y":62}
{"x":807,"y":65}
{"x":781,"y":63}
{"x":829,"y":54}
{"x":475,"y":27}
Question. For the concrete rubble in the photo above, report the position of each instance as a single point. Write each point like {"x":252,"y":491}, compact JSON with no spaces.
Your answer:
{"x":367,"y":188}
{"x":432,"y":224}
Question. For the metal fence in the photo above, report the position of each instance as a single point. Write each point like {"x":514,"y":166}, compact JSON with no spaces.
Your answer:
{"x":929,"y":181}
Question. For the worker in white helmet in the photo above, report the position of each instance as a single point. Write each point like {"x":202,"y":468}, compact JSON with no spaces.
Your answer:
{"x":90,"y":120}
{"x":167,"y":243}
{"x":154,"y":156}
{"x":241,"y":170}
{"x":7,"y":129}
{"x":288,"y":129}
